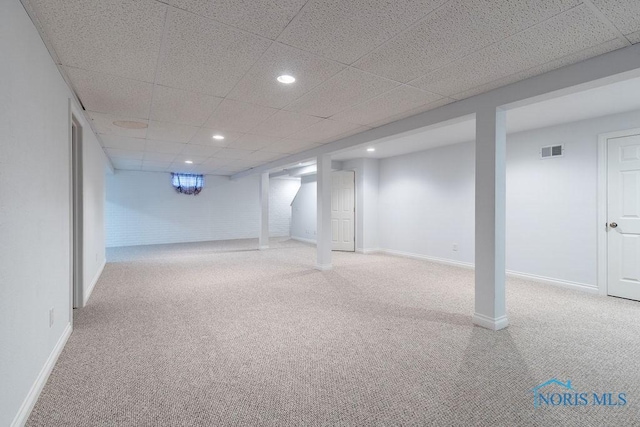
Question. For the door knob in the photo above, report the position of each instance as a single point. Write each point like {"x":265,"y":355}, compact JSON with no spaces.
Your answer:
{"x":613,"y":225}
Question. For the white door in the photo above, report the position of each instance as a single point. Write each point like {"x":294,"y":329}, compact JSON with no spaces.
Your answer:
{"x":343,"y":190}
{"x":623,"y":211}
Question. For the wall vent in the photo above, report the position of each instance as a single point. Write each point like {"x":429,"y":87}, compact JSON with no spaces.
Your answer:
{"x":551,"y":151}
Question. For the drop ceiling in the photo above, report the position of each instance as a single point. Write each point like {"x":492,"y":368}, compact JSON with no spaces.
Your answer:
{"x":189,"y":69}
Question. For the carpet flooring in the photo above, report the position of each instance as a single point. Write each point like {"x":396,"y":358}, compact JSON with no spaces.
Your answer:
{"x":217,"y":334}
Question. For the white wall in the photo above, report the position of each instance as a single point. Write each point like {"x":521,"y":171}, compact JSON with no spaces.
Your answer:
{"x":304,"y":212}
{"x":35,"y":204}
{"x":143,"y":208}
{"x":426,"y":201}
{"x":281,"y":194}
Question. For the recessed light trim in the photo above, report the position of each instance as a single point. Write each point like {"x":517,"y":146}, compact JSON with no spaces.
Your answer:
{"x":286,"y":79}
{"x":371,"y":149}
{"x":189,"y":162}
{"x":218,"y":137}
{"x":129,"y":124}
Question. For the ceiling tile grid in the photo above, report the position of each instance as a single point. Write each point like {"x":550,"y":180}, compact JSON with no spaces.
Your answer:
{"x":180,"y":106}
{"x":238,"y":116}
{"x":624,"y":14}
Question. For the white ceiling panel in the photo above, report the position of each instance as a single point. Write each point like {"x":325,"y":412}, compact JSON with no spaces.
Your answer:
{"x":263,"y":156}
{"x":195,"y":160}
{"x":164,"y":147}
{"x":453,"y":31}
{"x":104,"y":124}
{"x":284,"y":123}
{"x":117,"y":153}
{"x":153,"y":166}
{"x":290,"y":146}
{"x":205,"y":56}
{"x":163,"y":131}
{"x":624,"y":14}
{"x":159,"y":157}
{"x":204,"y":136}
{"x":260,"y":86}
{"x":238,"y":116}
{"x":634,"y":37}
{"x":109,"y":94}
{"x":216,"y":162}
{"x":560,"y":36}
{"x":118,"y":37}
{"x":398,"y":100}
{"x":232,"y":153}
{"x":264,"y":17}
{"x":199,"y":150}
{"x":344,"y":30}
{"x":412,"y":112}
{"x":326,"y":130}
{"x":123,"y":142}
{"x":348,"y":88}
{"x":126,"y":164}
{"x":180,"y":106}
{"x":253,"y":142}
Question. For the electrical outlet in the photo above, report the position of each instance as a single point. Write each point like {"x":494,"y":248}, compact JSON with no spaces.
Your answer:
{"x":455,"y":247}
{"x":51,"y":316}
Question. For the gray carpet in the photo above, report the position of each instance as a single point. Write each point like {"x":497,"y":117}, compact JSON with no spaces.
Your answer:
{"x":212,"y":334}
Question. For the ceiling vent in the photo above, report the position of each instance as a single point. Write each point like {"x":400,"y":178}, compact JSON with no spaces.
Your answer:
{"x":551,"y":151}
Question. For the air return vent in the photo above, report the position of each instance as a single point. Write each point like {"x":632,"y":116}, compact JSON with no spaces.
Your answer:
{"x":551,"y":151}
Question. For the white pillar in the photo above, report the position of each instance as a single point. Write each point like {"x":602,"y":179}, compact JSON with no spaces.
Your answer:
{"x":491,"y":138}
{"x":323,"y":230}
{"x":264,"y":212}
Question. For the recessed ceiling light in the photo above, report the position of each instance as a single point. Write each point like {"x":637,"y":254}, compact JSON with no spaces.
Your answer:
{"x":286,"y":79}
{"x":371,"y":149}
{"x":218,"y":137}
{"x":188,"y":162}
{"x":128,"y":124}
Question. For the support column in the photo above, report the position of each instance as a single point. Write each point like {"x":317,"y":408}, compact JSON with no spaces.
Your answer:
{"x":264,"y":212}
{"x":491,"y":141}
{"x":323,"y":229}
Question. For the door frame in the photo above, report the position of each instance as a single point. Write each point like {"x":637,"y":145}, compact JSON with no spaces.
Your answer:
{"x":76,"y":297}
{"x":602,"y":204}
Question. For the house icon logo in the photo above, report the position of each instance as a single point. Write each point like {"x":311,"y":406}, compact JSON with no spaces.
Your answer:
{"x":537,"y":390}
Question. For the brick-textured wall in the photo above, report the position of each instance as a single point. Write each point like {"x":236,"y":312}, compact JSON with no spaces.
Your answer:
{"x":281,"y":194}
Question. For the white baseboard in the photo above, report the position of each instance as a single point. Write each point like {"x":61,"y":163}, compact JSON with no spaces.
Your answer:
{"x":494,"y":324}
{"x":32,"y":397}
{"x":87,"y":292}
{"x":302,"y":239}
{"x":367,"y":251}
{"x":263,"y":247}
{"x":582,"y":287}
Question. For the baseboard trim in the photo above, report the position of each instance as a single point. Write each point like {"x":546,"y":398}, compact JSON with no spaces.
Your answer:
{"x":32,"y":397}
{"x":87,"y":293}
{"x":263,"y":247}
{"x":303,"y":240}
{"x":324,"y":267}
{"x":494,"y":324}
{"x":367,"y":251}
{"x":567,"y":284}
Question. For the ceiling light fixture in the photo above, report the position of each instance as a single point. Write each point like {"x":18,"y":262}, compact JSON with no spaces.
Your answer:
{"x":218,"y":137}
{"x":371,"y":149}
{"x":188,"y":162}
{"x":286,"y":79}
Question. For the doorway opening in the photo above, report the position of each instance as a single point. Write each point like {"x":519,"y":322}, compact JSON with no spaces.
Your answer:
{"x":76,"y":213}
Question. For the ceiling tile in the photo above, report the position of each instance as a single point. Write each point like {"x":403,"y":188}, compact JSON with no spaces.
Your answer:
{"x":159,"y":157}
{"x":205,"y":56}
{"x":204,"y":136}
{"x":284,"y":123}
{"x":163,"y":147}
{"x":453,"y":31}
{"x":232,"y":153}
{"x":634,"y":37}
{"x":117,"y":153}
{"x":348,"y":88}
{"x":253,"y":142}
{"x":104,"y":93}
{"x":290,"y":146}
{"x":163,"y":131}
{"x":567,"y":60}
{"x":259,"y":85}
{"x":126,"y":164}
{"x":153,"y":166}
{"x":562,"y":35}
{"x":238,"y":116}
{"x":264,"y":17}
{"x":327,"y":130}
{"x":412,"y":112}
{"x":118,"y":37}
{"x":263,"y":156}
{"x":123,"y":142}
{"x":196,"y":160}
{"x":344,"y":30}
{"x":216,"y":162}
{"x":103,"y":124}
{"x":396,"y":101}
{"x":624,"y":14}
{"x":199,"y":150}
{"x":180,"y":106}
